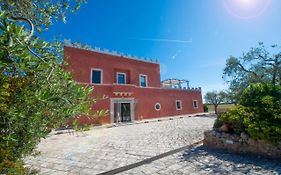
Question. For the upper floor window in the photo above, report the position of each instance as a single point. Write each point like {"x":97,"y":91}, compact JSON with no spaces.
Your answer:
{"x":96,"y":76}
{"x":178,"y":105}
{"x":195,"y":104}
{"x":143,"y":80}
{"x":121,"y":78}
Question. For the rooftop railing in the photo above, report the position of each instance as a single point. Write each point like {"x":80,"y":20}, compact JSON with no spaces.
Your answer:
{"x":107,"y":51}
{"x":184,"y":88}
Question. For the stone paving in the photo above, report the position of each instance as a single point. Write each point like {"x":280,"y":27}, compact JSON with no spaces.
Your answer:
{"x":104,"y":149}
{"x":201,"y":161}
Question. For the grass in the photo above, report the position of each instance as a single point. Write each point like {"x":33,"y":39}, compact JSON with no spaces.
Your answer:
{"x":222,"y":107}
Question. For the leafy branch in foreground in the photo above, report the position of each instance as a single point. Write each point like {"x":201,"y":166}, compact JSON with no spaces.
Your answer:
{"x":36,"y":93}
{"x":41,"y":13}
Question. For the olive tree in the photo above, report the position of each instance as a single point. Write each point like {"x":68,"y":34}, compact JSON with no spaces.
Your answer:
{"x":36,"y":93}
{"x":259,"y":65}
{"x":216,"y":98}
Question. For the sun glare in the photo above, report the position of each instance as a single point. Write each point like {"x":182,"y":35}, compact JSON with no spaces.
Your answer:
{"x":246,"y":2}
{"x":246,"y":9}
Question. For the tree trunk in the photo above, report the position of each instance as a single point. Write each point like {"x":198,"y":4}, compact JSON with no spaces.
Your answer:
{"x":216,"y":109}
{"x":274,"y":73}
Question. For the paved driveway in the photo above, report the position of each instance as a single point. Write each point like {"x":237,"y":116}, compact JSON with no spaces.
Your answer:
{"x":105,"y":149}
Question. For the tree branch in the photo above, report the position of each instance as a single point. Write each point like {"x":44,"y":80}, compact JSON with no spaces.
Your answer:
{"x":30,"y":24}
{"x":51,"y":72}
{"x":31,"y":51}
{"x":248,"y":71}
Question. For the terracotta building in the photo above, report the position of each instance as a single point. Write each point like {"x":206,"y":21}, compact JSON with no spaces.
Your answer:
{"x":132,"y":86}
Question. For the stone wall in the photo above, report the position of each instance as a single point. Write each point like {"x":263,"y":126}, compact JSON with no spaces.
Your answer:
{"x":241,"y":144}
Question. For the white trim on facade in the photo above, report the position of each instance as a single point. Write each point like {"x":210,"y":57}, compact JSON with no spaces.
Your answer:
{"x":132,"y":102}
{"x":180,"y":102}
{"x":134,"y":85}
{"x":101,"y":74}
{"x":146,"y":80}
{"x":125,"y":77}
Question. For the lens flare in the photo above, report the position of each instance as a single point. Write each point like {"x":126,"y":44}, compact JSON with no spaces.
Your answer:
{"x":246,"y":9}
{"x":246,"y":2}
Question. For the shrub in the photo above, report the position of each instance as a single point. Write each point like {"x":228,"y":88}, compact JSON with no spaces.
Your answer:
{"x":205,"y":108}
{"x":218,"y":123}
{"x":263,"y":96}
{"x":259,"y":113}
{"x":237,"y":116}
{"x":8,"y":163}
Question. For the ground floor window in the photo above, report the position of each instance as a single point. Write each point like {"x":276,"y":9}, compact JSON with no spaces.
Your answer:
{"x":195,"y":104}
{"x":157,"y":106}
{"x":178,"y":105}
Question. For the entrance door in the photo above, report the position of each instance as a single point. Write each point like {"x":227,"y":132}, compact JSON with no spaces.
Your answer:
{"x":122,"y":110}
{"x":125,"y":112}
{"x":117,"y":108}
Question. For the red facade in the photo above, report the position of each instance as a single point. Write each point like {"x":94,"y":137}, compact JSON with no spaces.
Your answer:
{"x":132,"y":87}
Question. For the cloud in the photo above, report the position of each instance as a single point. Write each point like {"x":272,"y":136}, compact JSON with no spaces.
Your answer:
{"x":164,"y":40}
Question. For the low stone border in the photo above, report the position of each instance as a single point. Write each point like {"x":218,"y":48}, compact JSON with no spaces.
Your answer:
{"x":72,"y":131}
{"x":241,"y":144}
{"x":173,"y":118}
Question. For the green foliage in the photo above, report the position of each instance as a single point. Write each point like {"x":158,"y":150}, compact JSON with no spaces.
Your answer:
{"x":263,"y":97}
{"x":238,"y":117}
{"x":8,"y":164}
{"x":259,"y":113}
{"x":218,"y":123}
{"x":41,"y":13}
{"x":36,"y":93}
{"x":205,"y":108}
{"x":79,"y":127}
{"x":256,"y":66}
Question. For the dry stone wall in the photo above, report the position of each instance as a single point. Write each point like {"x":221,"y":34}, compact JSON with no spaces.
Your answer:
{"x":241,"y":144}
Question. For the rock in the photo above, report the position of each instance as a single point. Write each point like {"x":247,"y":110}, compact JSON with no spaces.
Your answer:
{"x":228,"y":128}
{"x":242,"y":144}
{"x":228,"y":141}
{"x":244,"y":136}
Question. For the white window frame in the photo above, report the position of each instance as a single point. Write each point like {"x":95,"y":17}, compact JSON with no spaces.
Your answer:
{"x":159,"y":105}
{"x":180,"y":105}
{"x":146,"y":80}
{"x":196,"y":103}
{"x":101,"y":74}
{"x":125,"y":76}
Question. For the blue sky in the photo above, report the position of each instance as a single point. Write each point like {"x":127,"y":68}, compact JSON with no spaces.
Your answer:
{"x":191,"y":38}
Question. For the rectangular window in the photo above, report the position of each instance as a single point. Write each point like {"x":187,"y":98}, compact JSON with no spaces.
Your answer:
{"x":121,"y":78}
{"x":195,"y":104}
{"x":178,"y":105}
{"x":143,"y":81}
{"x":96,"y":76}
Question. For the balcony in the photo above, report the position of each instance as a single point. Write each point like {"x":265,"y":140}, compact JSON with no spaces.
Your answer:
{"x":177,"y":84}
